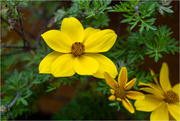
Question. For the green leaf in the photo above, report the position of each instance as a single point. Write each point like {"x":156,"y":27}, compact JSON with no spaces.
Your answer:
{"x":167,"y":9}
{"x":113,"y":104}
{"x":156,"y":58}
{"x":126,"y":20}
{"x":134,"y":24}
{"x":23,"y":101}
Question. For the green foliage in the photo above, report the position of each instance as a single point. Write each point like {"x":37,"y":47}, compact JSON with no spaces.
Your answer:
{"x":152,"y":43}
{"x":137,"y":12}
{"x":128,"y":6}
{"x":102,"y":86}
{"x":13,"y":7}
{"x":140,"y":13}
{"x":157,"y":42}
{"x":88,"y":10}
{"x":92,"y":107}
{"x":163,"y":6}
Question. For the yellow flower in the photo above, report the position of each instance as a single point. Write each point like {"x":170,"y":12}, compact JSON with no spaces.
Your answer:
{"x":120,"y":92}
{"x":163,"y":99}
{"x":77,"y":50}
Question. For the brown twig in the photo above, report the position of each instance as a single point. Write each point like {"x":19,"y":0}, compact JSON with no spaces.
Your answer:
{"x":9,"y":25}
{"x":16,"y":52}
{"x":16,"y":30}
{"x":22,"y":31}
{"x":11,"y":46}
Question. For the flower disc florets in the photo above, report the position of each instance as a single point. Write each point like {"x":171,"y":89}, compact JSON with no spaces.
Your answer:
{"x":77,"y":48}
{"x":171,"y":97}
{"x":120,"y":92}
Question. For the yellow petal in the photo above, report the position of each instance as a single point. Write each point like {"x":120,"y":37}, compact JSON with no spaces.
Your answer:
{"x":176,"y":89}
{"x":160,"y":113}
{"x":149,"y":103}
{"x":118,"y":99}
{"x":164,"y":77}
{"x":112,"y":91}
{"x":46,"y":64}
{"x":155,"y":79}
{"x":63,"y":66}
{"x":101,"y":41}
{"x":110,"y":81}
{"x":128,"y":105}
{"x":73,"y":28}
{"x":135,"y":95}
{"x":105,"y":65}
{"x":152,"y":91}
{"x":85,"y":65}
{"x":58,"y":41}
{"x":112,"y":97}
{"x":174,"y":110}
{"x":89,"y":32}
{"x":153,"y":86}
{"x":130,"y":84}
{"x":123,"y":77}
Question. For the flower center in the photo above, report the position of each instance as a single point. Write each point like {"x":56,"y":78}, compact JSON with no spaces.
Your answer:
{"x":120,"y":92}
{"x":4,"y":109}
{"x":171,"y":97}
{"x":77,"y":49}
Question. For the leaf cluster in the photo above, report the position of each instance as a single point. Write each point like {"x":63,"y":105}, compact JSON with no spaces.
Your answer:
{"x":163,"y":6}
{"x":13,"y":7}
{"x":88,"y":10}
{"x":152,"y":43}
{"x":155,"y":43}
{"x":140,"y":13}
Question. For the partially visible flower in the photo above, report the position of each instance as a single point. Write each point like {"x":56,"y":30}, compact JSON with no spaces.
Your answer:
{"x":77,"y":50}
{"x":163,"y":99}
{"x":119,"y":91}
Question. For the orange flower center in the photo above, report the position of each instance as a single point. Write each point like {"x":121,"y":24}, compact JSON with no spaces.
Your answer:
{"x":171,"y":97}
{"x":120,"y":92}
{"x":77,"y":48}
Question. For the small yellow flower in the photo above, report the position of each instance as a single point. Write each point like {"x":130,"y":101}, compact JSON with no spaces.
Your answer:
{"x":163,"y":99}
{"x":120,"y":92}
{"x":77,"y":50}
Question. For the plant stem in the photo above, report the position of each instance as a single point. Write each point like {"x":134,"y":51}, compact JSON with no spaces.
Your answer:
{"x":14,"y":101}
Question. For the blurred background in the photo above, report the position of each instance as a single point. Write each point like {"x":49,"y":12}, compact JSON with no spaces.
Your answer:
{"x":68,"y":101}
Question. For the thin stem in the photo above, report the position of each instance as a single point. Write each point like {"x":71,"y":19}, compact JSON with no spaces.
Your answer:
{"x":22,"y":30}
{"x":14,"y":101}
{"x":9,"y":25}
{"x":16,"y":52}
{"x":6,"y":46}
{"x":16,"y":30}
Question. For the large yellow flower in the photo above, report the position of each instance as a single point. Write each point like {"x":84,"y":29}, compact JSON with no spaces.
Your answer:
{"x":77,"y":50}
{"x":120,"y":92}
{"x":163,"y":99}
